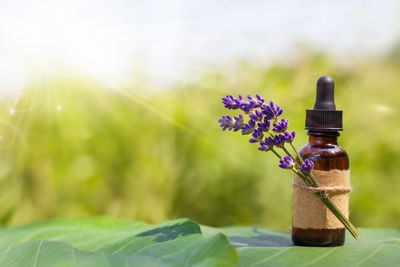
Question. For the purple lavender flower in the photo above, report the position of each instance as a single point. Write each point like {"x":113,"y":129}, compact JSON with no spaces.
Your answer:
{"x":260,"y":99}
{"x":290,"y":136}
{"x":271,"y":111}
{"x":246,"y":107}
{"x":281,"y":126}
{"x":257,"y":136}
{"x":279,"y":140}
{"x":267,"y":144}
{"x":256,"y":115}
{"x":239,"y":121}
{"x":286,"y":163}
{"x":267,"y":114}
{"x":226,"y":122}
{"x":248,"y":128}
{"x":307,"y":166}
{"x":264,"y":126}
{"x":255,"y":102}
{"x":252,"y":101}
{"x":231,"y":102}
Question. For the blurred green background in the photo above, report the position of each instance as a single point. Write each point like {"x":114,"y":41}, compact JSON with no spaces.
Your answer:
{"x":70,"y":147}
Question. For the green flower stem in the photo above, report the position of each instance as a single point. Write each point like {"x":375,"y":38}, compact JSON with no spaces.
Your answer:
{"x":302,"y":176}
{"x":283,"y":147}
{"x":336,"y":211}
{"x":276,"y":153}
{"x":271,"y":134}
{"x":287,"y":152}
{"x":333,"y":208}
{"x":312,"y":178}
{"x":297,"y":153}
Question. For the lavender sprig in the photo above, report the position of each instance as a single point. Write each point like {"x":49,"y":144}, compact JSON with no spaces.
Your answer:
{"x":257,"y":115}
{"x":239,"y":122}
{"x":231,"y":102}
{"x":266,"y":145}
{"x":281,"y":126}
{"x":255,"y":102}
{"x":307,"y":166}
{"x":264,"y":126}
{"x":286,"y":162}
{"x":280,"y":140}
{"x":257,"y":136}
{"x":261,"y":117}
{"x":271,"y":111}
{"x":226,"y":122}
{"x":289,"y":136}
{"x":248,"y":128}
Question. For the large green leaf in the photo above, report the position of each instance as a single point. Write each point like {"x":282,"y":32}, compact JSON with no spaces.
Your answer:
{"x":110,"y":242}
{"x":262,"y":247}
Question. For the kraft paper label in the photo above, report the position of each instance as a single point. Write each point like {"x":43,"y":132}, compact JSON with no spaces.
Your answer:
{"x":308,"y":209}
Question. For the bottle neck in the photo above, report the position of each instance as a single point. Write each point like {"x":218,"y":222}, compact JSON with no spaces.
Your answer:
{"x":323,"y":137}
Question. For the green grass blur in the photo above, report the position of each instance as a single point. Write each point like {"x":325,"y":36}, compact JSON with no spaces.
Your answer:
{"x":74,"y":148}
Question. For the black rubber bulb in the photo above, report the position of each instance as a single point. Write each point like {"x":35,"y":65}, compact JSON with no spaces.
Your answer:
{"x":325,"y":94}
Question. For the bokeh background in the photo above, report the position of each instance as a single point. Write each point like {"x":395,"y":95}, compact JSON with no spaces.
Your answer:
{"x":111,"y":107}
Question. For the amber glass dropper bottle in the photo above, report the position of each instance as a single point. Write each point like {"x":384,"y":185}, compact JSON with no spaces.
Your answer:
{"x":313,"y":224}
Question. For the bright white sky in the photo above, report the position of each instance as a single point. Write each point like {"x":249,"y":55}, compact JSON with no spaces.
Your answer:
{"x":168,"y":40}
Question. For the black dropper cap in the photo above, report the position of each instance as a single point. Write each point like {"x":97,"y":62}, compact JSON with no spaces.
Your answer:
{"x":324,"y":116}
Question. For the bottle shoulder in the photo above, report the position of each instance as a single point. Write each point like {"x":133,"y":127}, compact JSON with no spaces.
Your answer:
{"x":322,"y":149}
{"x":325,"y":156}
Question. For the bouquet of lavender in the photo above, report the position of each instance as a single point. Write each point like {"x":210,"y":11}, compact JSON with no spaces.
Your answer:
{"x":270,"y":132}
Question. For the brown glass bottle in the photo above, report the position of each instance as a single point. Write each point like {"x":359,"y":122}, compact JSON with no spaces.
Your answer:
{"x":323,"y":123}
{"x":324,"y":151}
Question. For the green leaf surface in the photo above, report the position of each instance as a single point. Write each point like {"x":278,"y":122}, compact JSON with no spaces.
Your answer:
{"x":111,"y":242}
{"x":263,"y":247}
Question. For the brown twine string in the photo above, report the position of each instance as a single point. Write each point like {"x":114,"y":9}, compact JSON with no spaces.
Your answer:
{"x":329,"y":190}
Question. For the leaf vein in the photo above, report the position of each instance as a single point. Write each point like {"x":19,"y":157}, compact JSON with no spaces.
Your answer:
{"x":370,"y":255}
{"x":5,"y":252}
{"x":73,"y":256}
{"x":271,"y":256}
{"x":320,"y":257}
{"x":37,"y":253}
